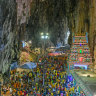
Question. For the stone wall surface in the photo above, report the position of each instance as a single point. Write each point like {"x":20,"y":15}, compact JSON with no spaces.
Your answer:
{"x":0,"y":25}
{"x":83,"y":19}
{"x":23,"y":10}
{"x":48,"y":16}
{"x":9,"y":40}
{"x":57,"y":17}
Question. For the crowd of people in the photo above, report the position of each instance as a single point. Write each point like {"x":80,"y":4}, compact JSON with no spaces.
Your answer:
{"x":48,"y":79}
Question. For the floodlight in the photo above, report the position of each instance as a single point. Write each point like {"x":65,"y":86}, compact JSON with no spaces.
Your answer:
{"x":42,"y":37}
{"x":42,"y":33}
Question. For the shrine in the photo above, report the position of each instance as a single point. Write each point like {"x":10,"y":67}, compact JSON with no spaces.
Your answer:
{"x":80,"y":57}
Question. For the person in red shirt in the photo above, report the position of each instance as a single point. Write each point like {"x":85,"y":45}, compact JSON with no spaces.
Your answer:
{"x":21,"y":93}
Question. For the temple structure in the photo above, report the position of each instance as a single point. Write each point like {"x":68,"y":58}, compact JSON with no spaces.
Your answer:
{"x":80,"y":52}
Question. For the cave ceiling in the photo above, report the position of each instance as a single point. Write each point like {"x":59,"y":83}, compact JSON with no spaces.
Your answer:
{"x":26,"y":19}
{"x":60,"y":16}
{"x":49,"y":16}
{"x":57,"y":17}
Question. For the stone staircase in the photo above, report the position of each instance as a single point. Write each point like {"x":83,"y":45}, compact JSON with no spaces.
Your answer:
{"x":79,"y":81}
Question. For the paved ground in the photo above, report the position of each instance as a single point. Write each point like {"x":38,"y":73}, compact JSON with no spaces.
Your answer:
{"x":88,"y":81}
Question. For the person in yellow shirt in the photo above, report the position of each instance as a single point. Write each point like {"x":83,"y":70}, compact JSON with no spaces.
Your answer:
{"x":73,"y":89}
{"x":65,"y":89}
{"x":51,"y":93}
{"x":49,"y":89}
{"x":70,"y":89}
{"x":67,"y":94}
{"x":61,"y":76}
{"x":58,"y":92}
{"x":18,"y":93}
{"x":20,"y":85}
{"x":63,"y":81}
{"x":58,"y":85}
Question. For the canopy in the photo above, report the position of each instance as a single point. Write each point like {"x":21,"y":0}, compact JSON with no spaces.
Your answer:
{"x":29,"y":65}
{"x":54,"y":54}
{"x":14,"y":66}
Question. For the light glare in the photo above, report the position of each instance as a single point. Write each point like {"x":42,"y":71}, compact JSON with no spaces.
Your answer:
{"x":42,"y":37}
{"x":47,"y":34}
{"x":30,"y":41}
{"x":42,"y":33}
{"x":46,"y":37}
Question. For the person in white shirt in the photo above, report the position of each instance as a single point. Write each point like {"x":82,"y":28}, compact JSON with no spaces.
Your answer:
{"x":10,"y":90}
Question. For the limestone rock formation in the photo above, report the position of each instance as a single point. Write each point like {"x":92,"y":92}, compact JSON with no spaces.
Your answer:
{"x":83,"y":19}
{"x":9,"y":40}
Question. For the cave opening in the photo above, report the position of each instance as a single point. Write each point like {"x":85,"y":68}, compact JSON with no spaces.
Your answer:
{"x":61,"y":32}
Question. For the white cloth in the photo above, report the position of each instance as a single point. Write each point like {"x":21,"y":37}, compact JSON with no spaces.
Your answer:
{"x":10,"y":90}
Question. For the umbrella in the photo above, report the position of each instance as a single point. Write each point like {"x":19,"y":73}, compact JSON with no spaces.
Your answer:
{"x":14,"y":66}
{"x":28,"y":65}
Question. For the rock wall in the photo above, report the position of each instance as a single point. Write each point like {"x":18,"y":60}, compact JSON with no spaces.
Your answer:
{"x":57,"y":17}
{"x":83,"y":19}
{"x":23,"y":10}
{"x":9,"y":40}
{"x":48,"y":16}
{"x":92,"y":26}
